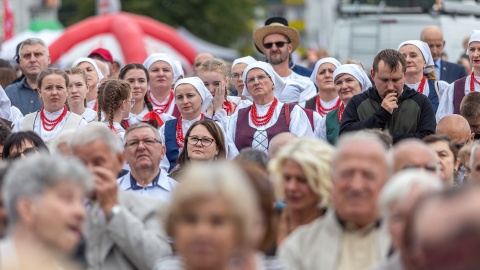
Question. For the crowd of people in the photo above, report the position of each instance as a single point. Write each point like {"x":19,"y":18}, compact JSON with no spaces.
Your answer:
{"x":258,"y":165}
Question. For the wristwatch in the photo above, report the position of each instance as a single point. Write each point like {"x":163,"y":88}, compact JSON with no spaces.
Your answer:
{"x":115,"y":211}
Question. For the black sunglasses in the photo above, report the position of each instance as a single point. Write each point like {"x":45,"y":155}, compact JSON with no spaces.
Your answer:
{"x":279,"y":44}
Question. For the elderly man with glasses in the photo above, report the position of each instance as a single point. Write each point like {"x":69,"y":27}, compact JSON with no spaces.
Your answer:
{"x":144,"y":151}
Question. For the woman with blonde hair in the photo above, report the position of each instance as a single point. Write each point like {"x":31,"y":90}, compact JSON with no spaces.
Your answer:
{"x":301,"y":174}
{"x":211,"y":218}
{"x":77,"y":93}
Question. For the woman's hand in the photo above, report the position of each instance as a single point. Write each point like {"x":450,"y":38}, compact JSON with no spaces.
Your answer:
{"x":219,"y":97}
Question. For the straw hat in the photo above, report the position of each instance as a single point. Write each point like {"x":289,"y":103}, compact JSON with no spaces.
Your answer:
{"x":276,"y":25}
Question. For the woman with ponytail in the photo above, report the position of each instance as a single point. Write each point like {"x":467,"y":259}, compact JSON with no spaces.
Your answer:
{"x":136,"y":75}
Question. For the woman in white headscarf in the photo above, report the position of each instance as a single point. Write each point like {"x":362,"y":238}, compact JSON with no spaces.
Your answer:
{"x":420,"y":72}
{"x":256,"y":125}
{"x":192,"y":99}
{"x":349,"y":80}
{"x":451,"y":99}
{"x":322,"y":76}
{"x":94,"y":77}
{"x":161,"y":69}
{"x":238,"y":66}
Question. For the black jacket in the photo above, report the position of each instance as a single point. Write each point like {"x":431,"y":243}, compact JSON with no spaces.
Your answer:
{"x":414,"y":117}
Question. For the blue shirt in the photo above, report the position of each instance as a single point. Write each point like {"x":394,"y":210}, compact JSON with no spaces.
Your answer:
{"x":161,"y":187}
{"x":23,"y":97}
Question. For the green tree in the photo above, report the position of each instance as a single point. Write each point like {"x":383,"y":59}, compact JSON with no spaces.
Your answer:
{"x":218,"y":21}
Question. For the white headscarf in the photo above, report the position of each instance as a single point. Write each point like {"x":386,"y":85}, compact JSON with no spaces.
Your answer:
{"x":207,"y":98}
{"x":474,"y":37}
{"x":178,"y":71}
{"x":424,"y":49}
{"x":357,"y":72}
{"x":320,"y":62}
{"x":244,"y":60}
{"x":165,"y":57}
{"x":278,"y":82}
{"x":94,"y":64}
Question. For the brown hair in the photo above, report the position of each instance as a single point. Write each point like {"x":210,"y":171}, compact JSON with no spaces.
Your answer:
{"x":433,"y":138}
{"x":147,"y":101}
{"x":469,"y":106}
{"x":7,"y":76}
{"x":52,"y":71}
{"x":215,"y":65}
{"x":391,"y":58}
{"x":217,"y":135}
{"x":266,"y":199}
{"x":111,"y":94}
{"x":81,"y":72}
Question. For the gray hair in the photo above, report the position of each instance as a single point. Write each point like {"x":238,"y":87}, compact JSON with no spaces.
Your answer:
{"x":402,"y":183}
{"x":34,"y":41}
{"x":63,"y":137}
{"x":351,"y":137}
{"x":143,"y":125}
{"x":95,"y":131}
{"x":30,"y":178}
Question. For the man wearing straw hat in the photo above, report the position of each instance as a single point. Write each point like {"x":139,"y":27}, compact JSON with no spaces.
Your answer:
{"x":277,"y":41}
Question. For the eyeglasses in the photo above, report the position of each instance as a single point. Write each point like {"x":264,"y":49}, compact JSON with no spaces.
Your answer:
{"x":132,"y":102}
{"x":136,"y":143}
{"x":279,"y":44}
{"x":259,"y":77}
{"x":236,"y":76}
{"x":25,"y":152}
{"x":203,"y":141}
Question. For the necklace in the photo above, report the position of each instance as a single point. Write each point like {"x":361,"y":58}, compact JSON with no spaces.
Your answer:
{"x":48,"y":124}
{"x":162,"y":107}
{"x":421,"y":86}
{"x":473,"y":80}
{"x":229,"y":107}
{"x":340,"y":113}
{"x":264,"y":119}
{"x":180,"y":137}
{"x":323,"y":111}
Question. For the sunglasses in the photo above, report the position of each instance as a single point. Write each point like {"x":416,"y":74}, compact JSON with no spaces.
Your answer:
{"x":25,"y":152}
{"x":279,"y":44}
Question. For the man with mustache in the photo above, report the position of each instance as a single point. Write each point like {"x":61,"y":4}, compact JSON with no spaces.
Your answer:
{"x":390,"y":104}
{"x":350,"y":235}
{"x":33,"y":59}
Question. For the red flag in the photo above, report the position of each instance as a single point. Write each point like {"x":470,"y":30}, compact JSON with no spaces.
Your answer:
{"x":7,"y":21}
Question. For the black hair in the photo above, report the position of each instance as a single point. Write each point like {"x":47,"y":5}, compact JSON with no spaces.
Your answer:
{"x":16,"y":140}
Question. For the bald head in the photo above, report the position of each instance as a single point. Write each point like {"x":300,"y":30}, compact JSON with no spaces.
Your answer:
{"x":199,"y":59}
{"x":433,"y":36}
{"x":414,"y":153}
{"x":456,"y":127}
{"x":278,"y":142}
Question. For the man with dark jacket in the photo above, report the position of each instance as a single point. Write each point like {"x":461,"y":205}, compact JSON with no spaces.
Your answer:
{"x":390,"y":104}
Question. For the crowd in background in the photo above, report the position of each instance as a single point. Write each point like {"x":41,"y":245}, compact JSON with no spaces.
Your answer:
{"x":249,"y":165}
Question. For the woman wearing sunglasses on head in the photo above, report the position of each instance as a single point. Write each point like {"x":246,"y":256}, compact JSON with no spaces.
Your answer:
{"x":204,"y":142}
{"x":22,"y":144}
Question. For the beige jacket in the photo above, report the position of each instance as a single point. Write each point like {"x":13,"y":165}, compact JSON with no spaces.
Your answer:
{"x":317,"y":245}
{"x":133,"y":239}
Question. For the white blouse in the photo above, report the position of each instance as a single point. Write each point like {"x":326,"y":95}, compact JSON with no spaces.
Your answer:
{"x":170,"y":108}
{"x":306,"y":91}
{"x":446,"y":102}
{"x":38,"y":127}
{"x":89,"y":115}
{"x":299,"y":124}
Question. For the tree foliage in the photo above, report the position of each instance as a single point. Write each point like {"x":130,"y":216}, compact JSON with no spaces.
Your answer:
{"x":217,"y":21}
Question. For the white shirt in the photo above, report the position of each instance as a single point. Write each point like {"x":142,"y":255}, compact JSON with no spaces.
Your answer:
{"x":442,"y":87}
{"x":15,"y":114}
{"x":89,"y":115}
{"x":321,"y":129}
{"x":299,"y":124}
{"x":91,"y":104}
{"x":306,"y":91}
{"x":170,"y":109}
{"x":38,"y":127}
{"x":161,"y":188}
{"x":446,"y":102}
{"x":136,"y":118}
